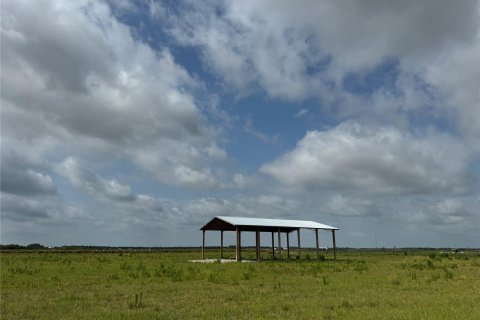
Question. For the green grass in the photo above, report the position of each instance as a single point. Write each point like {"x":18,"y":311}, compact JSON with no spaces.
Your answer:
{"x":163,"y":285}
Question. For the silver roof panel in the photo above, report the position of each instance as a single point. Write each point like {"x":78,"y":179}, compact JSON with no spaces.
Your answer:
{"x":261,"y":222}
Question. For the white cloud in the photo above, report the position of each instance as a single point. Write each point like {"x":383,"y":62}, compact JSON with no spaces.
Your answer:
{"x":303,"y":50}
{"x":351,"y":206}
{"x":457,"y":75}
{"x":99,"y":90}
{"x":156,"y":10}
{"x":263,"y":137}
{"x":199,"y":211}
{"x":241,"y":181}
{"x":189,"y":176}
{"x":245,"y":48}
{"x":41,"y":210}
{"x":95,"y":185}
{"x":301,"y":113}
{"x":293,"y":36}
{"x":124,"y":206}
{"x":446,"y":212}
{"x":374,"y":160}
{"x":24,"y":173}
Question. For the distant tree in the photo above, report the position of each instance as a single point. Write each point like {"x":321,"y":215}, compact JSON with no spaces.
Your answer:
{"x":35,"y":246}
{"x":11,"y":246}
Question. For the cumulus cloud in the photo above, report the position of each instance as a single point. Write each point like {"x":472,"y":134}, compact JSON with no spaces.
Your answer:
{"x":298,"y":51}
{"x":199,"y":211}
{"x":94,"y":184}
{"x":41,"y":210}
{"x":124,"y":205}
{"x":24,"y":174}
{"x":301,"y":113}
{"x":446,"y":212}
{"x":242,"y":181}
{"x":297,"y":37}
{"x":103,"y":89}
{"x":375,"y":160}
{"x":351,"y":206}
{"x":245,"y":48}
{"x":456,"y":76}
{"x":264,"y":138}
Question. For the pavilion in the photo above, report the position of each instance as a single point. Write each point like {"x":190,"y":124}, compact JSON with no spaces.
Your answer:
{"x":258,"y":225}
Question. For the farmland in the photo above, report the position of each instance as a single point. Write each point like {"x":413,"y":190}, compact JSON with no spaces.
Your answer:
{"x":164,"y":285}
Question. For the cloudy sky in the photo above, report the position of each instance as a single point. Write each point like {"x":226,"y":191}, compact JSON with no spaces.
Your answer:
{"x":135,"y":122}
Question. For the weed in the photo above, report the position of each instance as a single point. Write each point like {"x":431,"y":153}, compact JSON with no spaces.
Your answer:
{"x":141,"y":267}
{"x":347,"y":305}
{"x":125,"y":267}
{"x":247,"y":276}
{"x":277,"y":284}
{"x":25,"y":271}
{"x":360,"y":268}
{"x":193,"y":273}
{"x":430,"y":264}
{"x":448,"y":274}
{"x":138,"y":301}
{"x":286,"y":307}
{"x":113,"y":277}
{"x":418,"y":266}
{"x":175,"y":274}
{"x":160,"y":271}
{"x":214,"y":277}
{"x":102,"y":259}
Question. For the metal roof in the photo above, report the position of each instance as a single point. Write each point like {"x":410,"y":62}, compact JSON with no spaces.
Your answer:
{"x":264,"y":223}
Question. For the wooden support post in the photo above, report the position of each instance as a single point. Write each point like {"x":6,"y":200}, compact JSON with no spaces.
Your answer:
{"x":257,"y":244}
{"x":316,"y":239}
{"x":221,"y":244}
{"x":334,"y":246}
{"x":203,"y":244}
{"x":279,"y":245}
{"x":238,"y":245}
{"x":273,"y":246}
{"x":288,"y":245}
{"x":298,"y":243}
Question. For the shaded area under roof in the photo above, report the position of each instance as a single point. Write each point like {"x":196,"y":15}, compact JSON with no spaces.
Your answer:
{"x":263,"y":225}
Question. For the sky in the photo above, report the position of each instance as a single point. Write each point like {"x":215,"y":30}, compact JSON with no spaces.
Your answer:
{"x":133,"y":123}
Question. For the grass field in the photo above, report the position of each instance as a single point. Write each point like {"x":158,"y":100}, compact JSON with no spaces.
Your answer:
{"x":163,"y":285}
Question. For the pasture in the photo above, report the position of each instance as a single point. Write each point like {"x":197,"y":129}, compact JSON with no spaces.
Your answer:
{"x":164,"y":285}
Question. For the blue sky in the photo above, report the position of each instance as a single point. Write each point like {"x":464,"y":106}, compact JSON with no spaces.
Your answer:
{"x":135,"y":122}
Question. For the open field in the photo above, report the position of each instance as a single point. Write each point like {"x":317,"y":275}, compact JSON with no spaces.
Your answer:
{"x":163,"y":285}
